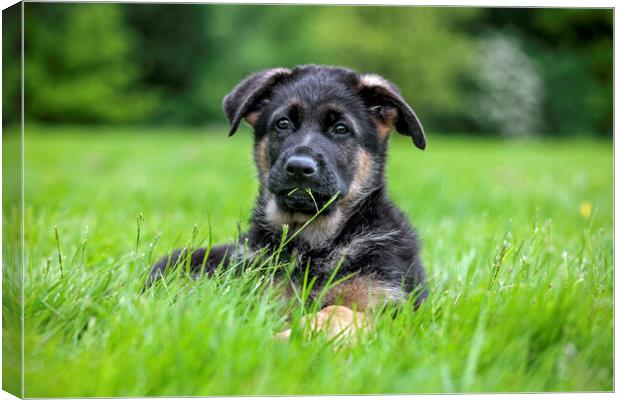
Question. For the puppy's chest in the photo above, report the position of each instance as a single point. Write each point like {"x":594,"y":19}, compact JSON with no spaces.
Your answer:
{"x":321,"y":262}
{"x":352,"y":250}
{"x":318,"y":260}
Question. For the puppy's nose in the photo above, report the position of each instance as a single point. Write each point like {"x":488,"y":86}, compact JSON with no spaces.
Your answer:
{"x":301,"y":167}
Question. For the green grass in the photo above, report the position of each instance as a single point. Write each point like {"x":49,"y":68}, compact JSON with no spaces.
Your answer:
{"x":521,"y":281}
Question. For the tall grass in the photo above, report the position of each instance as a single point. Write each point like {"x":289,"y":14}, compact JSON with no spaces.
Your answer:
{"x":517,"y":244}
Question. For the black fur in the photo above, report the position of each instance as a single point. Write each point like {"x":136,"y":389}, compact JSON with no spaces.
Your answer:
{"x":298,"y":115}
{"x":197,"y":263}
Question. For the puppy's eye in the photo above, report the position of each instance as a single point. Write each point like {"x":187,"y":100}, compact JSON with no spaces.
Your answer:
{"x":341,"y":129}
{"x":284,"y":123}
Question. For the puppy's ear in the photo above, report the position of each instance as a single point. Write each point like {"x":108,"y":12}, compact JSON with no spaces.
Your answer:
{"x":246,"y":97}
{"x":385,"y":102}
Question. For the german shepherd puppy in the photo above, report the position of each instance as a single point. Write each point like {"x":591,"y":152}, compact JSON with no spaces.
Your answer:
{"x":321,"y":133}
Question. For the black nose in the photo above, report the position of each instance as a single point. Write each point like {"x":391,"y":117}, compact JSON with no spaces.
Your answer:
{"x":301,"y":167}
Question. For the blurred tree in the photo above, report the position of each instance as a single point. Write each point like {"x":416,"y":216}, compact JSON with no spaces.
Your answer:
{"x":574,"y":49}
{"x":509,"y":91}
{"x":248,"y":38}
{"x":11,"y":65}
{"x":80,"y":67}
{"x":420,"y":49}
{"x":155,"y":63}
{"x":173,"y":46}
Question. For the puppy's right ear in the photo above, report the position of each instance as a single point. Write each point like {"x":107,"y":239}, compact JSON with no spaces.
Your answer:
{"x":246,"y":97}
{"x":386,"y":102}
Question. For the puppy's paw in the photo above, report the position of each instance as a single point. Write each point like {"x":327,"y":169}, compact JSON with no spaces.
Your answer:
{"x":334,"y":321}
{"x":283,"y":336}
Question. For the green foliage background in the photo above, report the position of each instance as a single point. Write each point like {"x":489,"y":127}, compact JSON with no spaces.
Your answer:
{"x":517,"y":243}
{"x":172,"y":64}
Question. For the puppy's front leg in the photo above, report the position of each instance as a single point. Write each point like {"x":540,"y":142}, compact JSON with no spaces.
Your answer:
{"x":360,"y":293}
{"x":335,"y":321}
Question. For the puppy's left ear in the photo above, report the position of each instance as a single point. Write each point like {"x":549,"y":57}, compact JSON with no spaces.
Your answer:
{"x":392,"y":111}
{"x":245,"y":99}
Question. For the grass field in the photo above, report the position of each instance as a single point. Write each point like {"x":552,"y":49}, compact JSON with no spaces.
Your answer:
{"x":517,"y":243}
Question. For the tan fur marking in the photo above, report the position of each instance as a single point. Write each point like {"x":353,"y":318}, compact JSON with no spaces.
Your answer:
{"x":317,"y":234}
{"x":363,"y":293}
{"x":386,"y":121}
{"x":262,"y":161}
{"x":383,"y":129}
{"x":388,"y":115}
{"x":362,"y":174}
{"x":252,"y":117}
{"x":322,"y":229}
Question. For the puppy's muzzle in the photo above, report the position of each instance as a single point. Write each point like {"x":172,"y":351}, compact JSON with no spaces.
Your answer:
{"x":302,"y":181}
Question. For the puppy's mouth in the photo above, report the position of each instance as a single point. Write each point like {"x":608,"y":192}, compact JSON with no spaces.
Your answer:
{"x":305,"y":201}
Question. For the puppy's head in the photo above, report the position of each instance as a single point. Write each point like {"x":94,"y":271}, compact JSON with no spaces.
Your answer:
{"x":319,"y":132}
